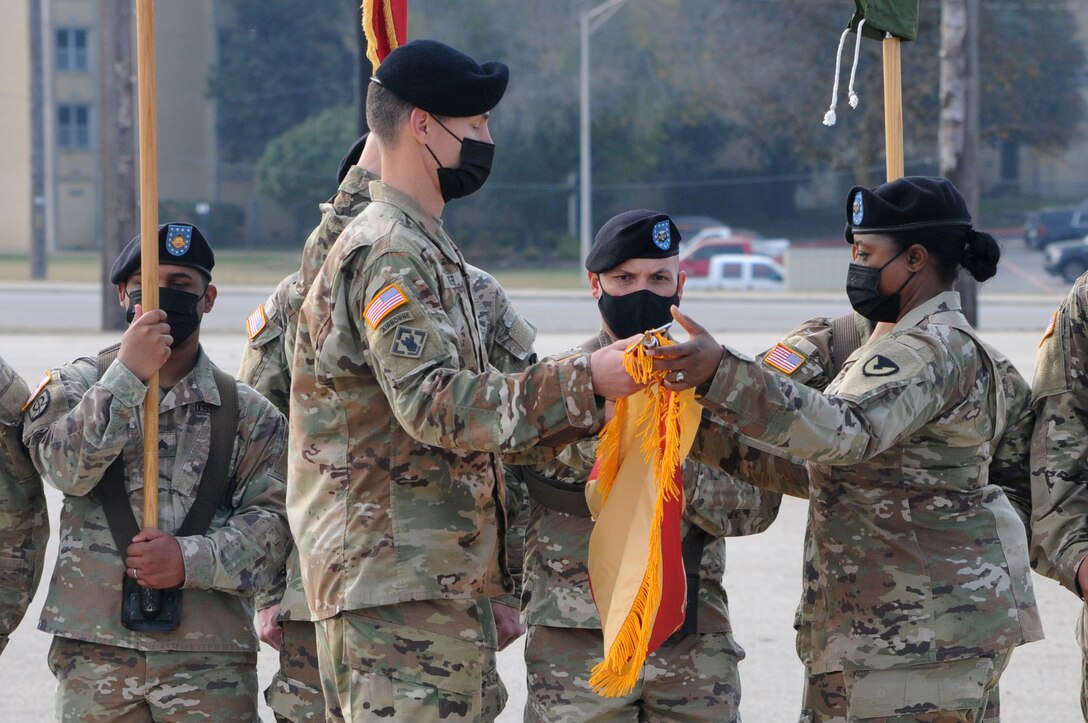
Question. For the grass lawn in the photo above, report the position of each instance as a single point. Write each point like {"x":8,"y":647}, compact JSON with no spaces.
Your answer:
{"x":266,"y":268}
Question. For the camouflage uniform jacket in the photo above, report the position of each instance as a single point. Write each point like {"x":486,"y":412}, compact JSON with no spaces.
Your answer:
{"x":509,"y":338}
{"x":396,"y":490}
{"x":24,"y":524}
{"x":917,"y":558}
{"x":1008,"y":469}
{"x":81,"y":427}
{"x":557,"y":544}
{"x":266,"y":358}
{"x":1059,"y":448}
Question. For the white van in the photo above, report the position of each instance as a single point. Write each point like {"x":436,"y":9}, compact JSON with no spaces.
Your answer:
{"x":741,"y":271}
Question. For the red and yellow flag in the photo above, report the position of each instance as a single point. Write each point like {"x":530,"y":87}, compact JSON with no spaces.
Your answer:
{"x":385,"y":23}
{"x":636,"y":493}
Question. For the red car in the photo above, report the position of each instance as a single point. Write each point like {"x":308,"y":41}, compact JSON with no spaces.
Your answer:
{"x":695,"y":259}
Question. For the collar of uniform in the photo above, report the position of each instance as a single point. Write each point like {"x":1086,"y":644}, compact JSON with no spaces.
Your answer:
{"x":429,"y":224}
{"x":196,"y":386}
{"x":353,"y":190}
{"x":944,"y":301}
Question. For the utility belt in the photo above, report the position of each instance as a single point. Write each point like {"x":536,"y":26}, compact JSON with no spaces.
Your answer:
{"x":570,"y":499}
{"x":158,"y":611}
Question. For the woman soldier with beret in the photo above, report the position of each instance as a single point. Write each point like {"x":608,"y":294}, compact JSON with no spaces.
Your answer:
{"x":921,"y":570}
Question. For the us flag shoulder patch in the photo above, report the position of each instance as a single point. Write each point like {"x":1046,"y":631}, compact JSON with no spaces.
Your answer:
{"x":386,"y":300}
{"x":256,"y":323}
{"x":1049,"y":328}
{"x":784,"y":359}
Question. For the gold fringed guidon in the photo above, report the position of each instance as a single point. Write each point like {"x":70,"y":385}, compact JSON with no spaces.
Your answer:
{"x":635,"y":561}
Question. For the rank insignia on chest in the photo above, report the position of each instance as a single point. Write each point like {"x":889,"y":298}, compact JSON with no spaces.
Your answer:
{"x":879,"y":366}
{"x":256,"y":323}
{"x":784,"y":359}
{"x":384,"y":302}
{"x":409,"y":342}
{"x":1049,"y":328}
{"x":38,"y":400}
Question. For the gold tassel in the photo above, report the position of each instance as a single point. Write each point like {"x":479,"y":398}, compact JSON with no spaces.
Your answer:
{"x":618,"y":673}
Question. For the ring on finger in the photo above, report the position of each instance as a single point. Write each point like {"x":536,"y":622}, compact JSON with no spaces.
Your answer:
{"x":679,"y":377}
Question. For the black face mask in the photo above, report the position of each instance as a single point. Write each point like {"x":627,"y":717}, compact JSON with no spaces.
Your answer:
{"x":636,"y":312}
{"x":180,"y":308}
{"x":475,"y":167}
{"x":863,"y":290}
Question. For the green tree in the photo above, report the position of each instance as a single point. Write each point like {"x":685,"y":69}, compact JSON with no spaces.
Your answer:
{"x":280,"y":61}
{"x":297,"y":170}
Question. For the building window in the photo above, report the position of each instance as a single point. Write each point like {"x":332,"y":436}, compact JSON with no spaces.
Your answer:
{"x":74,"y":126}
{"x":72,"y":50}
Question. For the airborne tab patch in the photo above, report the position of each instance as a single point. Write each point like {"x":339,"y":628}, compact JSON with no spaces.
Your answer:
{"x":1049,"y":328}
{"x":784,"y":359}
{"x":384,"y":302}
{"x":879,"y":366}
{"x":256,"y":323}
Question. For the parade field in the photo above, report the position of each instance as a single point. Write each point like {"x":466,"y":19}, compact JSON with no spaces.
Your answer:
{"x":763,"y":578}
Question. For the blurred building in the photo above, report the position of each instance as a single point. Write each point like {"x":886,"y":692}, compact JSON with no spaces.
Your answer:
{"x":73,"y":116}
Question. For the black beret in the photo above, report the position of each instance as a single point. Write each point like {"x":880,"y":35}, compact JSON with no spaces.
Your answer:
{"x":351,"y":158}
{"x":905,"y":204}
{"x":180,"y":244}
{"x":441,"y":80}
{"x":639,"y":234}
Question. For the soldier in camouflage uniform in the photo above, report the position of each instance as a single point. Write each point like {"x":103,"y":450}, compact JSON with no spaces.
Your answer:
{"x":396,"y":495}
{"x":1059,"y":457}
{"x":80,"y":423}
{"x":635,"y":276}
{"x":295,"y":692}
{"x":24,"y":524}
{"x":283,"y":618}
{"x":825,"y":344}
{"x":920,"y":562}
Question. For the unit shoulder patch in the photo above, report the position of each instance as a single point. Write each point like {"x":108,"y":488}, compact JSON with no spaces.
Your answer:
{"x":409,"y":342}
{"x":785,"y":359}
{"x":48,"y":377}
{"x":879,"y":365}
{"x":383,"y":303}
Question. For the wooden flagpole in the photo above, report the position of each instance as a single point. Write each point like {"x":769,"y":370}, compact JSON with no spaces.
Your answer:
{"x":893,"y":107}
{"x":149,"y":239}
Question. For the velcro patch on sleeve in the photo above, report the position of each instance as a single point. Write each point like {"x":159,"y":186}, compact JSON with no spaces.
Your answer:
{"x":256,"y":323}
{"x":38,"y":390}
{"x":1049,"y":328}
{"x":386,"y":300}
{"x":784,"y":359}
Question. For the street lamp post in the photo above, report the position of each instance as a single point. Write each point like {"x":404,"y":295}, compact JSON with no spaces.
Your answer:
{"x":590,"y":19}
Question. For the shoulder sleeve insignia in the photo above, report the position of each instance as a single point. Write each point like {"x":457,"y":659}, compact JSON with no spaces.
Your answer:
{"x":409,"y":342}
{"x":256,"y":323}
{"x":879,"y":365}
{"x":384,"y":302}
{"x":784,"y":359}
{"x":38,"y":401}
{"x":1049,"y":328}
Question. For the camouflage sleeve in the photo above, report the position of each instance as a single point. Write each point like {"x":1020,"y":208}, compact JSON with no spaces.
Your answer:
{"x":1010,"y":466}
{"x":264,"y":361}
{"x":869,"y":413}
{"x":441,"y":403}
{"x":719,"y":447}
{"x":1059,"y":444}
{"x":24,"y":522}
{"x":76,"y":426}
{"x":248,"y":551}
{"x":725,"y":506}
